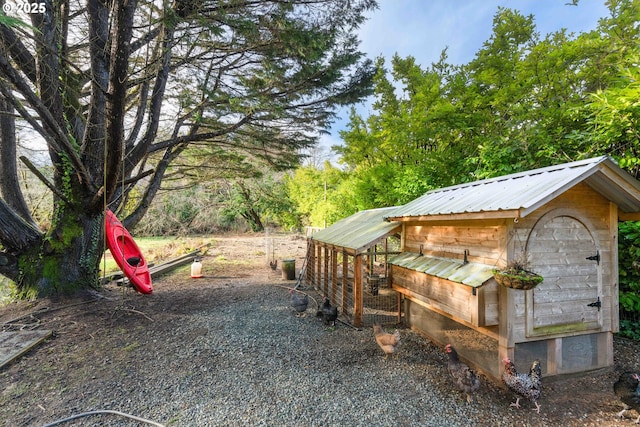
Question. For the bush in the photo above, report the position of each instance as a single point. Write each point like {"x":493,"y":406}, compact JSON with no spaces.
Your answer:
{"x":629,"y":262}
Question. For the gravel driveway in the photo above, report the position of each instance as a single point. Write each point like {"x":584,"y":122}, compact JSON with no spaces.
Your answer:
{"x":228,"y":351}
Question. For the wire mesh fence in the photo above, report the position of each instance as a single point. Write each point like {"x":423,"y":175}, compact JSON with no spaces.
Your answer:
{"x":357,"y":283}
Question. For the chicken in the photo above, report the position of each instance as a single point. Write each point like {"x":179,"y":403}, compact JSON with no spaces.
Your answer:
{"x":464,"y":378}
{"x":524,"y":385}
{"x":627,"y":388}
{"x":273,"y":264}
{"x":387,"y":342}
{"x":328,"y":312}
{"x":298,"y":303}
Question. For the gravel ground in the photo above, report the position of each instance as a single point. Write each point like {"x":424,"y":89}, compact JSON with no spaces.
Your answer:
{"x":228,"y":351}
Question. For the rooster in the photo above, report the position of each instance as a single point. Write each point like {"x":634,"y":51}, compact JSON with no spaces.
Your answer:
{"x":464,"y":378}
{"x":299,"y":304}
{"x":524,"y":385}
{"x":627,"y":388}
{"x":273,"y":264}
{"x":387,"y":342}
{"x":328,"y":312}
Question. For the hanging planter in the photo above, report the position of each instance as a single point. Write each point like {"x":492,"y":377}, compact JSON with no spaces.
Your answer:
{"x":516,"y":275}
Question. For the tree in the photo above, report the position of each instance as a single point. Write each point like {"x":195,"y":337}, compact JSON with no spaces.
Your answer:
{"x":126,"y":93}
{"x":524,"y":101}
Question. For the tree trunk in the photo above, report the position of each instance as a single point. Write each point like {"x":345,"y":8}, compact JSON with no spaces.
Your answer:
{"x":68,"y":260}
{"x":253,"y":219}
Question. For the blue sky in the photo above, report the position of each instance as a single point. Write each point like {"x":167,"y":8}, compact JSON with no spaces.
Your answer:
{"x":423,"y":28}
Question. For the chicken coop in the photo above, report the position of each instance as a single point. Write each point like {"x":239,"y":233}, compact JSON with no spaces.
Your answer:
{"x":563,"y":220}
{"x":347,"y":262}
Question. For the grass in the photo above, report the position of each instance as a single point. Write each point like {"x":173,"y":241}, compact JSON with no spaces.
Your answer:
{"x":155,"y":250}
{"x":158,"y":249}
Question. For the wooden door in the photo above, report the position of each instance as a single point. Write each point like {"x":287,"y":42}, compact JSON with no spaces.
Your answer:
{"x":563,"y":250}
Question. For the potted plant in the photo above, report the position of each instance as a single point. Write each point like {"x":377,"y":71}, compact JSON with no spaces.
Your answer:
{"x":516,"y":274}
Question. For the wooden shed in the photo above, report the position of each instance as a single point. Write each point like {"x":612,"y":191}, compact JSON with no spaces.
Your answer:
{"x":344,"y":264}
{"x":565,"y":219}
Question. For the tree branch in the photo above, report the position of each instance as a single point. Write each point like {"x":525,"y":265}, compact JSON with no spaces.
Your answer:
{"x":44,"y":180}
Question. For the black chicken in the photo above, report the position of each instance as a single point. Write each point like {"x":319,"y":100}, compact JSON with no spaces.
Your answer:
{"x":298,"y":303}
{"x":328,"y":312}
{"x":627,"y":388}
{"x":464,"y":378}
{"x":525,"y":385}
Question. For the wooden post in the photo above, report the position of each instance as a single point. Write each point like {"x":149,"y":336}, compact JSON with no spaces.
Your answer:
{"x":358,"y":301}
{"x":318,"y":277}
{"x":345,"y":279}
{"x":311,"y":251}
{"x":386,"y":258}
{"x":325,"y":277}
{"x":334,"y":274}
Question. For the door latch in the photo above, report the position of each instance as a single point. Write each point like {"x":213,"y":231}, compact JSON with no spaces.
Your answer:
{"x":598,"y":304}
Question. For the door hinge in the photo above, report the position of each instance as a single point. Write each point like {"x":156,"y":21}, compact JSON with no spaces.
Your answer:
{"x":598,"y":304}
{"x":595,"y":257}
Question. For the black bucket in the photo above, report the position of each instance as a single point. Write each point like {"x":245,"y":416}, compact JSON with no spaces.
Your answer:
{"x":289,"y":269}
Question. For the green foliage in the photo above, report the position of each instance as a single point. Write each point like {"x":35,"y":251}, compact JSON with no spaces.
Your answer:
{"x":316,"y":195}
{"x":629,"y":262}
{"x":524,"y":101}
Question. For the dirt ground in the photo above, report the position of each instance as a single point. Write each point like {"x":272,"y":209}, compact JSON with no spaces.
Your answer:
{"x":119,"y":316}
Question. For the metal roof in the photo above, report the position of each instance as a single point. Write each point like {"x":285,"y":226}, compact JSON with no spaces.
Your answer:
{"x":519,"y":194}
{"x":471,"y":274}
{"x":359,"y":231}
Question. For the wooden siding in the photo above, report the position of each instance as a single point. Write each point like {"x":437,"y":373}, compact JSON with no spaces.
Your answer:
{"x":481,"y":239}
{"x":450,"y":298}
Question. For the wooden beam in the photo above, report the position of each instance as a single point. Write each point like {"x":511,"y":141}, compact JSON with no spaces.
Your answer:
{"x":325,"y":277}
{"x":513,"y":213}
{"x":358,"y":300}
{"x":334,"y":274}
{"x":628,"y":216}
{"x":345,"y":279}
{"x":311,"y":256}
{"x":318,"y":278}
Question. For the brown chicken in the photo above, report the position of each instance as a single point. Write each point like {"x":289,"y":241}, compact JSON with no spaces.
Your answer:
{"x":627,"y":388}
{"x":524,"y":385}
{"x":387,"y":342}
{"x":464,"y":378}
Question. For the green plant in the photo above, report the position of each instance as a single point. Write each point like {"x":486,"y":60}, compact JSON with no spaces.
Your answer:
{"x":629,"y":273}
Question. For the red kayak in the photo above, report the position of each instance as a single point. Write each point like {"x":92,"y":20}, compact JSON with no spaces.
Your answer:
{"x":127,"y":254}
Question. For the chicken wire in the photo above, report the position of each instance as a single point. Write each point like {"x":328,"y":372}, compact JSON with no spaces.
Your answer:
{"x":324,"y":272}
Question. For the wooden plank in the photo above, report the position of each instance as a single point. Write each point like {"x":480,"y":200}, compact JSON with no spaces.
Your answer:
{"x":358,"y":297}
{"x":311,"y":256}
{"x":156,"y":270}
{"x":325,"y":270}
{"x":318,"y":266}
{"x":453,"y":298}
{"x":608,"y":283}
{"x":16,"y":343}
{"x":334,"y":273}
{"x":345,"y":279}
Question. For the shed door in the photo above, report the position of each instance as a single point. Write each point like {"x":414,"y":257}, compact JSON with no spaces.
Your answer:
{"x":558,"y":249}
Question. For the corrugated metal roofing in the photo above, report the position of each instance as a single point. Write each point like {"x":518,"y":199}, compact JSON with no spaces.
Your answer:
{"x":359,"y":231}
{"x":519,"y":194}
{"x":471,"y":274}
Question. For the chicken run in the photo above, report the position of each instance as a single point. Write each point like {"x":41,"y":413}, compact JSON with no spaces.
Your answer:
{"x":433,"y":263}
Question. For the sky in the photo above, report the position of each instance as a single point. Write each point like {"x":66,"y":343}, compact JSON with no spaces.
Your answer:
{"x":424,"y":28}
